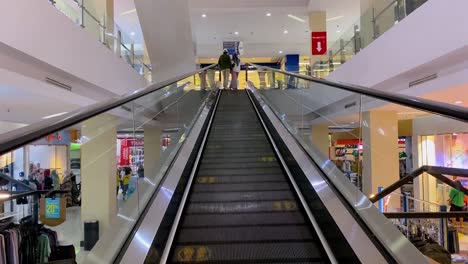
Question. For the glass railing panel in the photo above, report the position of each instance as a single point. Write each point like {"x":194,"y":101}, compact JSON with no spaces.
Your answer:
{"x":92,"y":181}
{"x":373,"y":23}
{"x":102,"y":28}
{"x":373,"y":144}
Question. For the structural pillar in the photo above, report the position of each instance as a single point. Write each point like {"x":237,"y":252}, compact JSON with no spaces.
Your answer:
{"x":380,"y":165}
{"x":98,"y":170}
{"x":317,"y":23}
{"x":152,"y":150}
{"x":319,"y":138}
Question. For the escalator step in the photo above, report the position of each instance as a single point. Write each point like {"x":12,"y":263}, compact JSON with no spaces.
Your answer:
{"x":304,"y":252}
{"x":242,"y":207}
{"x":241,"y":196}
{"x":239,"y":165}
{"x":223,"y":235}
{"x":269,"y":218}
{"x":218,"y":172}
{"x":237,"y":179}
{"x":235,"y":187}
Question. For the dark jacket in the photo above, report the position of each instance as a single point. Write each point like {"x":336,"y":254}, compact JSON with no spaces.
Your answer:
{"x":224,"y":62}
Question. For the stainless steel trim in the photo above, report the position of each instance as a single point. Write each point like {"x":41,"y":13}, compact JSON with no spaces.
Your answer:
{"x":444,"y":109}
{"x":400,"y":248}
{"x":312,"y":219}
{"x":140,"y":244}
{"x":423,"y":80}
{"x":175,"y":225}
{"x":59,"y":84}
{"x":19,"y":137}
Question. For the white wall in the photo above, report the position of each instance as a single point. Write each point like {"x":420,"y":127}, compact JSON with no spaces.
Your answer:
{"x":428,"y":35}
{"x":39,"y":30}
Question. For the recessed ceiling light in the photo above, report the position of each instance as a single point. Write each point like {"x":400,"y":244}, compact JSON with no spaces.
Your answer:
{"x":338,"y":31}
{"x":132,"y":33}
{"x":334,"y":18}
{"x":285,"y":32}
{"x":268,"y":14}
{"x":296,"y":18}
{"x":128,"y":12}
{"x":54,"y":115}
{"x":458,"y":102}
{"x":204,"y":15}
{"x":236,"y":33}
{"x":280,"y":52}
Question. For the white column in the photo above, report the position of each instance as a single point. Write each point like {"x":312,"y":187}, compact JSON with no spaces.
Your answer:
{"x":98,"y":170}
{"x":168,"y":35}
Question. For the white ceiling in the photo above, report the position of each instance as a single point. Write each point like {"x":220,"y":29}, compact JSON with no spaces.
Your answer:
{"x":262,"y":35}
{"x":26,"y":100}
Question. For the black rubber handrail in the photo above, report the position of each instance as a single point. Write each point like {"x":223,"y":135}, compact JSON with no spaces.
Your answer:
{"x":22,"y":136}
{"x":451,"y":111}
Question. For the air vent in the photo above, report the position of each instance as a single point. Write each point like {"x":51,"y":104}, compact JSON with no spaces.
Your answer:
{"x":350,"y":105}
{"x":59,"y":84}
{"x":423,"y":80}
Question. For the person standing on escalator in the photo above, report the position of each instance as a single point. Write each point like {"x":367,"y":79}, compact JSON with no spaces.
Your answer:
{"x":236,"y":68}
{"x":225,"y":66}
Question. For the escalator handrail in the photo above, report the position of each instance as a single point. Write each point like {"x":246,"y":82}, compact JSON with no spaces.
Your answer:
{"x":19,"y":137}
{"x":451,"y":111}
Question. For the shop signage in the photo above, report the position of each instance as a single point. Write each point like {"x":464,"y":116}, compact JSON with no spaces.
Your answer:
{"x":52,"y":211}
{"x":319,"y":43}
{"x":52,"y":207}
{"x":233,"y":47}
{"x":124,"y":152}
{"x":57,"y":138}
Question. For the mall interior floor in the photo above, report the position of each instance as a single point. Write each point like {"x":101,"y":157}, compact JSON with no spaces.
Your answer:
{"x":242,"y":208}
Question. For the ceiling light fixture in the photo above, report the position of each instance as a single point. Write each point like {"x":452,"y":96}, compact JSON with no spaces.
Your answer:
{"x":128,"y":12}
{"x":285,"y":32}
{"x":338,"y":31}
{"x":334,"y":18}
{"x":268,"y":14}
{"x":54,"y":115}
{"x":204,"y":15}
{"x":236,"y":33}
{"x":296,"y":18}
{"x":132,"y":33}
{"x":458,"y":102}
{"x":280,"y":52}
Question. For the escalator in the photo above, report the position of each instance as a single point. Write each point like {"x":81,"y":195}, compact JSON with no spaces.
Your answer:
{"x":242,"y":207}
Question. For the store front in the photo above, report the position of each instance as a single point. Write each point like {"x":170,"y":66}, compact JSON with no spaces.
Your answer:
{"x":445,"y":150}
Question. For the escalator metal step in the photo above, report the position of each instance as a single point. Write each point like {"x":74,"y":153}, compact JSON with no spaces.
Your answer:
{"x":242,"y":207}
{"x":223,"y":235}
{"x":305,"y":252}
{"x":268,"y":218}
{"x":236,"y":187}
{"x":240,"y":165}
{"x":241,"y":196}
{"x":217,"y":172}
{"x":237,"y":179}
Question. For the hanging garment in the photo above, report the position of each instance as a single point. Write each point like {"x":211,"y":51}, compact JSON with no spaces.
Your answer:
{"x":2,"y":250}
{"x":43,"y":249}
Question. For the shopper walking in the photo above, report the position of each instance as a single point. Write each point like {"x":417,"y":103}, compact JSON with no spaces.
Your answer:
{"x":126,"y":181}
{"x":457,"y":201}
{"x":236,"y":68}
{"x":225,"y":66}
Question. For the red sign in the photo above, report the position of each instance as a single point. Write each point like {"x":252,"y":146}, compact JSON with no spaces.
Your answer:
{"x":319,"y":43}
{"x":124,"y":152}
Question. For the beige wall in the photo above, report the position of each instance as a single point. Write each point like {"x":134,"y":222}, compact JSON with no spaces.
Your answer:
{"x":380,"y":154}
{"x":98,"y":170}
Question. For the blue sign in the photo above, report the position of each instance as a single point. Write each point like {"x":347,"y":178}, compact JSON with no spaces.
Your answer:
{"x":52,"y":208}
{"x":231,"y":46}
